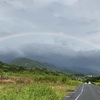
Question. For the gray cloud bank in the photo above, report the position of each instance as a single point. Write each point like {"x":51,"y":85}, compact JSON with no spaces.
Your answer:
{"x":81,"y":61}
{"x":71,"y":16}
{"x":79,"y":20}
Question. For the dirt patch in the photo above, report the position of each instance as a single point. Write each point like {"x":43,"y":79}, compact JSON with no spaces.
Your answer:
{"x":7,"y":81}
{"x":69,"y":90}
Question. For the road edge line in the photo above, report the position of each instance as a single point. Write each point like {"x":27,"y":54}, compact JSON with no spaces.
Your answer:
{"x":98,"y":91}
{"x":80,"y":93}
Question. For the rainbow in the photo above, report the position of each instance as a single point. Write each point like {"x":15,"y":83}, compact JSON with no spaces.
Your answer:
{"x":76,"y":38}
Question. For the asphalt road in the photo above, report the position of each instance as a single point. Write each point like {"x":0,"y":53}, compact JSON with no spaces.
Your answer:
{"x":85,"y":92}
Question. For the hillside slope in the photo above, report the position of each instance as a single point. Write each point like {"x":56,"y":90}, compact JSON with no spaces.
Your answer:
{"x":26,"y":62}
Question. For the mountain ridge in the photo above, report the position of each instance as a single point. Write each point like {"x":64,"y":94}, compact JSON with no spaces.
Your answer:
{"x":26,"y":62}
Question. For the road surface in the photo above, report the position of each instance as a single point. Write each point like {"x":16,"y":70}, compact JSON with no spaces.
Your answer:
{"x":85,"y":92}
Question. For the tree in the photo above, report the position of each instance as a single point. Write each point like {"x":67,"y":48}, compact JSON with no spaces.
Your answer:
{"x":1,"y":73}
{"x":1,"y":64}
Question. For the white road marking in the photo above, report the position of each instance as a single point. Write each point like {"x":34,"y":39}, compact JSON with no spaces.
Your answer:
{"x":98,"y":91}
{"x":67,"y":96}
{"x":72,"y":92}
{"x":80,"y":93}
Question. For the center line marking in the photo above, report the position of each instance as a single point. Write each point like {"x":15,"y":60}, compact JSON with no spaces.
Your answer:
{"x":80,"y":93}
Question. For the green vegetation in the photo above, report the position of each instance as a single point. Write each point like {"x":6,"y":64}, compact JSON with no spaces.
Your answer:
{"x":28,"y":92}
{"x":23,"y":83}
{"x":93,"y":79}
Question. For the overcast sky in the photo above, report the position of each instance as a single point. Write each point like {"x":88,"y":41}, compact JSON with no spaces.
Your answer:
{"x":68,"y":28}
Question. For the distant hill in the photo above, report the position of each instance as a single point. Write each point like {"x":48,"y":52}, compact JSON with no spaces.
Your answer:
{"x":29,"y":63}
{"x":26,"y":62}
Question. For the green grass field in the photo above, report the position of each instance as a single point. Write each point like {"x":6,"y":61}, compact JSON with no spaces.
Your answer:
{"x":18,"y":83}
{"x":34,"y":91}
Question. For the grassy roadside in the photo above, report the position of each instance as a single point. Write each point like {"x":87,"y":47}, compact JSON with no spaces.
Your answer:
{"x":30,"y":86}
{"x":18,"y":83}
{"x":96,"y":83}
{"x":41,"y":91}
